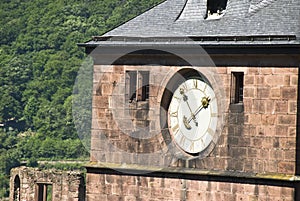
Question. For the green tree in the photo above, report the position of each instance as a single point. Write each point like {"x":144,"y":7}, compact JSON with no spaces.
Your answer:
{"x":40,"y":106}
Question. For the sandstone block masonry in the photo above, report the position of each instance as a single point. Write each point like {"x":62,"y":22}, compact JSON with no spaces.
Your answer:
{"x":258,"y":135}
{"x":107,"y":187}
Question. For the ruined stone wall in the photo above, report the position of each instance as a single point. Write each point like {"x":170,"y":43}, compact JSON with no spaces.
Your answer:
{"x":66,"y":185}
{"x":257,"y":137}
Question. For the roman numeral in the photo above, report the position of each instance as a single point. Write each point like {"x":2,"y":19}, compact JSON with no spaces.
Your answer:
{"x":178,"y":99}
{"x":214,"y":115}
{"x":174,"y":114}
{"x":182,"y":140}
{"x":195,"y":83}
{"x":210,"y":131}
{"x":205,"y":86}
{"x":192,"y":148}
{"x":175,"y":128}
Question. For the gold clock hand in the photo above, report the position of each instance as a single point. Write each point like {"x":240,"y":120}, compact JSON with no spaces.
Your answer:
{"x":205,"y":101}
{"x":186,"y":123}
{"x":204,"y":104}
{"x":185,"y":99}
{"x":196,"y":112}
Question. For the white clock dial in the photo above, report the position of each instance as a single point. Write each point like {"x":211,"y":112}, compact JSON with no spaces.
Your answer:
{"x":192,"y":115}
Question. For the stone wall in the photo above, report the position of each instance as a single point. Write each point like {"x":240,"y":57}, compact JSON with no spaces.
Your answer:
{"x":256,"y":136}
{"x":65,"y":185}
{"x":116,"y":134}
{"x":259,"y":138}
{"x":107,"y":187}
{"x":263,"y":137}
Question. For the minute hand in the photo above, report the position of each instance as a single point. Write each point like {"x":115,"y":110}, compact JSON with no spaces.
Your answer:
{"x":195,"y":113}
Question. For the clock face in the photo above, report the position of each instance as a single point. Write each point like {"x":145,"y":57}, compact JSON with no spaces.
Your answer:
{"x":192,"y":115}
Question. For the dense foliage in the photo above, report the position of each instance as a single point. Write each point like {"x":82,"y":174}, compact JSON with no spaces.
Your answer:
{"x":39,"y":61}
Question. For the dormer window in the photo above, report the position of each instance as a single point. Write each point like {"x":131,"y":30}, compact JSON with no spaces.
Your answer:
{"x":215,"y":9}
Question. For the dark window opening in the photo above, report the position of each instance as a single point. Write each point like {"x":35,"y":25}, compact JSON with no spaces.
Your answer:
{"x":215,"y":9}
{"x":145,"y":85}
{"x":237,"y":87}
{"x":131,"y":84}
{"x":44,"y":192}
{"x":137,"y":85}
{"x":17,"y":185}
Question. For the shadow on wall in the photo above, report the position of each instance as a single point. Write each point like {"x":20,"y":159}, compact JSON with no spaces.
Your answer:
{"x":236,"y":140}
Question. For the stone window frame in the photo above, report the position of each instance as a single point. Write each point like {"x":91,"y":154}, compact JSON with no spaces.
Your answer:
{"x":137,"y":85}
{"x":236,"y":87}
{"x":42,"y":191}
{"x":236,"y":104}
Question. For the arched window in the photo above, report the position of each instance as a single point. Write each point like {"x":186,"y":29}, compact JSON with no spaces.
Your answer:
{"x":17,"y":185}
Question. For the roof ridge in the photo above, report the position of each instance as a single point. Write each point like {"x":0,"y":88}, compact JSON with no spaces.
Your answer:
{"x":262,"y":4}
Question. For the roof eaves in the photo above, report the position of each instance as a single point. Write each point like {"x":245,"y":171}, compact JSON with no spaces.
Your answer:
{"x":199,"y":40}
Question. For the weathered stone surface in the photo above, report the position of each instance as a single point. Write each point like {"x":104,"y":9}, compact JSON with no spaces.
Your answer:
{"x":178,"y":189}
{"x":269,"y":110}
{"x":258,"y":137}
{"x":66,"y":185}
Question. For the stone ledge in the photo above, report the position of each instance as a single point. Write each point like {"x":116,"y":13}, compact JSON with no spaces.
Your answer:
{"x":52,"y":171}
{"x":271,"y":179}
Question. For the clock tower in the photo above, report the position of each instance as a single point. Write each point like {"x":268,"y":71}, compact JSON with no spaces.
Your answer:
{"x":191,"y":105}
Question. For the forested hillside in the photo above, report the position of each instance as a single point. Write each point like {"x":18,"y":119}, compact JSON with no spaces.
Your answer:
{"x":39,"y":60}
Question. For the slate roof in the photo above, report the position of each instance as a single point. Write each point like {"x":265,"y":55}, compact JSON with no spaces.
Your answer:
{"x":245,"y":21}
